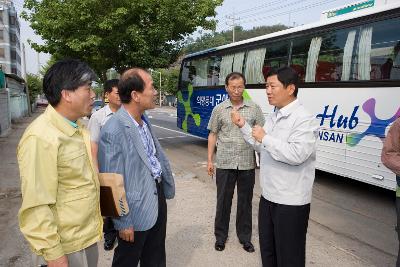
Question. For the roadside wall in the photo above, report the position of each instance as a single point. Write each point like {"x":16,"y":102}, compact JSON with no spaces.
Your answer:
{"x":5,"y":119}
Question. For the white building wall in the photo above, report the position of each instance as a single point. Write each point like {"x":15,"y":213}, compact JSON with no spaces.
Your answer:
{"x":10,"y":65}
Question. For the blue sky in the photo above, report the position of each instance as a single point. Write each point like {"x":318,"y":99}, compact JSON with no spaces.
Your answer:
{"x":249,"y":13}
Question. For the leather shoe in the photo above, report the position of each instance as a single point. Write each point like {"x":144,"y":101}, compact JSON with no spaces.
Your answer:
{"x":109,"y":244}
{"x":219,"y":246}
{"x":248,"y":246}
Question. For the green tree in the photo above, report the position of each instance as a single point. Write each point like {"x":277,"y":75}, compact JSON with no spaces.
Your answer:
{"x":117,"y":33}
{"x":169,"y":80}
{"x":171,"y":84}
{"x":48,"y":64}
{"x":35,"y":86}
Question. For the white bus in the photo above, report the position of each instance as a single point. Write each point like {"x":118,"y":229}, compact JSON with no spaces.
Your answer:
{"x":349,"y":65}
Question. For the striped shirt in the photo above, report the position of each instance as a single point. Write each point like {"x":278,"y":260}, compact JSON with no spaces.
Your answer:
{"x":149,"y":147}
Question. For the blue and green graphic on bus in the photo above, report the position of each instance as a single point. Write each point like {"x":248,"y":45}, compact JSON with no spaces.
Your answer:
{"x":195,"y":107}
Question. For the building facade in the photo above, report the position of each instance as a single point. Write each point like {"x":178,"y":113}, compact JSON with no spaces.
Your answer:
{"x":10,"y":45}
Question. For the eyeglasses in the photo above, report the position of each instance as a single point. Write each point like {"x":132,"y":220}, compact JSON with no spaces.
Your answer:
{"x":238,"y":89}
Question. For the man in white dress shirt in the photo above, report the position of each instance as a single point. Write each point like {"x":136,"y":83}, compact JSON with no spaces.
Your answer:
{"x":96,"y":122}
{"x":100,"y":117}
{"x":287,"y":144}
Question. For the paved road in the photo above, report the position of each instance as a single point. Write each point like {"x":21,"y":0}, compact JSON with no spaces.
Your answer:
{"x":351,"y":224}
{"x":352,"y":217}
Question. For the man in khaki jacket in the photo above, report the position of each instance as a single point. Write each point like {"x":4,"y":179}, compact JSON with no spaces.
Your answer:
{"x":60,"y":213}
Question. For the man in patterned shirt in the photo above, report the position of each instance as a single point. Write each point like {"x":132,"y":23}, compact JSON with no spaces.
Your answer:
{"x":235,"y":162}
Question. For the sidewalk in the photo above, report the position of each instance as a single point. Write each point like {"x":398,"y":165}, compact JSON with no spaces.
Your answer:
{"x":190,"y":239}
{"x":14,"y":251}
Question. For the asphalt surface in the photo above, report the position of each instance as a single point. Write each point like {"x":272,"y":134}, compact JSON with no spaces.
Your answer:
{"x":351,"y":224}
{"x":352,"y":217}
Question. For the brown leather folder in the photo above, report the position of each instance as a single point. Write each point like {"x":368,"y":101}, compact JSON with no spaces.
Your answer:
{"x":112,"y":195}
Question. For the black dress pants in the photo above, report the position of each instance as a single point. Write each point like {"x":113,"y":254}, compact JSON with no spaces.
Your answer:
{"x":108,"y":229}
{"x":282,"y":230}
{"x":148,"y":246}
{"x":226,"y":179}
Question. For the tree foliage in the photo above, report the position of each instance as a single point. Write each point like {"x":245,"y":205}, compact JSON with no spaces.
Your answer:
{"x":169,"y":80}
{"x":210,"y":40}
{"x":47,"y":66}
{"x":117,"y":33}
{"x":35,"y":86}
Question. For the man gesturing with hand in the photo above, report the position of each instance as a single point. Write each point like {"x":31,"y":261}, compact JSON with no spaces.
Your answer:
{"x":287,"y":144}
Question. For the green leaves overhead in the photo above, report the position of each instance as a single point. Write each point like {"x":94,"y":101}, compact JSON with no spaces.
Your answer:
{"x":117,"y":33}
{"x":35,"y":86}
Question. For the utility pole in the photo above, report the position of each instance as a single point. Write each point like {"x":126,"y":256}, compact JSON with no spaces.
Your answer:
{"x":233,"y":24}
{"x":38,"y":63}
{"x":28,"y":98}
{"x":159,"y":72}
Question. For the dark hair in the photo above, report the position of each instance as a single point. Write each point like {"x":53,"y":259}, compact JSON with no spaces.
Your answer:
{"x":234,"y":76}
{"x":67,"y":74}
{"x":110,"y":84}
{"x":131,"y":80}
{"x":287,"y":76}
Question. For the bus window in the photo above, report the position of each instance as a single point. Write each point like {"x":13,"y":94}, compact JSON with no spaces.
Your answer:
{"x":364,"y":54}
{"x":312,"y":58}
{"x":348,"y":56}
{"x":214,"y":64}
{"x":225,"y":68}
{"x":229,"y":63}
{"x":187,"y":75}
{"x":254,"y":66}
{"x":201,"y":71}
{"x":238,"y":62}
{"x":276,"y":56}
{"x":385,"y":48}
{"x":330,"y":59}
{"x":299,"y":56}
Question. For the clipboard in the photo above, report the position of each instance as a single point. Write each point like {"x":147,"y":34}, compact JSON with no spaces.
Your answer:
{"x":112,"y":195}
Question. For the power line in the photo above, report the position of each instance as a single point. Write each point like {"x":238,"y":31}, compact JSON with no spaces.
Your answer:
{"x":287,"y":12}
{"x":258,"y":7}
{"x":275,"y":9}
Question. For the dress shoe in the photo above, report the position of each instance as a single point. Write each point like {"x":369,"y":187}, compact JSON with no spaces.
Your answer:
{"x":248,"y":246}
{"x":219,"y":246}
{"x":109,"y":244}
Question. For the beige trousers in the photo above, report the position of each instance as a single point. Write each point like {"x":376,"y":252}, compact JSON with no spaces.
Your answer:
{"x":87,"y":257}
